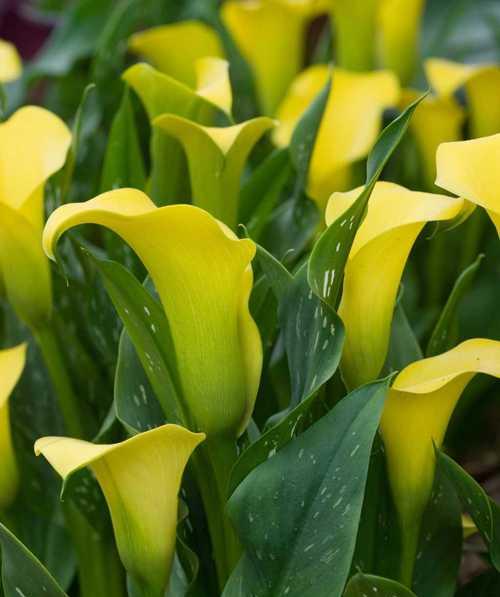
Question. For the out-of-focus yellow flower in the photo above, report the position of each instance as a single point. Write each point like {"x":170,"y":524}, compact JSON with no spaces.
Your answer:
{"x":216,"y":158}
{"x":33,"y":146}
{"x":203,"y":276}
{"x":140,"y":478}
{"x":11,"y":366}
{"x":470,"y":169}
{"x":176,"y":48}
{"x":394,"y":219}
{"x":482,"y":87}
{"x":416,"y":416}
{"x":271,"y":36}
{"x":10,"y":62}
{"x":350,"y":125}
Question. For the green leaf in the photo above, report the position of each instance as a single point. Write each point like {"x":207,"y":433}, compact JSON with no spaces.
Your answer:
{"x":277,"y":275}
{"x":403,"y":345}
{"x":483,"y":511}
{"x":363,"y":585}
{"x":444,"y":335}
{"x":297,"y":514}
{"x":330,"y":253}
{"x":22,"y":574}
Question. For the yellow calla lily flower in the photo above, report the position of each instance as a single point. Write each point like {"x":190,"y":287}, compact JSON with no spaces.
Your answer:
{"x":482,"y":86}
{"x":271,"y":36}
{"x":203,"y":276}
{"x":216,"y":157}
{"x":12,"y":362}
{"x":140,"y":478}
{"x":470,"y":169}
{"x":33,"y":146}
{"x":394,"y":219}
{"x":350,"y":125}
{"x":174,"y":49}
{"x":10,"y":62}
{"x":416,"y":415}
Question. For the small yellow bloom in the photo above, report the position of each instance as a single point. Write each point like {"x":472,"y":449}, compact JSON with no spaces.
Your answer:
{"x":416,"y":415}
{"x":33,"y":146}
{"x":394,"y":219}
{"x":350,"y":126}
{"x":140,"y":479}
{"x":12,"y":362}
{"x":203,"y":276}
{"x":10,"y":62}
{"x":470,"y":169}
{"x":271,"y":36}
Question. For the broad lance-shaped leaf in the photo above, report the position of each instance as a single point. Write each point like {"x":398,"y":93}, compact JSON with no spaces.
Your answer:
{"x":271,"y":35}
{"x":363,"y":585}
{"x":395,"y":217}
{"x":22,"y":574}
{"x":484,"y":511}
{"x":298,"y":513}
{"x":203,"y":276}
{"x":216,"y":158}
{"x":140,"y":478}
{"x":416,"y":415}
{"x":350,"y":123}
{"x":10,"y":62}
{"x":33,"y":146}
{"x":470,"y":169}
{"x":12,"y":362}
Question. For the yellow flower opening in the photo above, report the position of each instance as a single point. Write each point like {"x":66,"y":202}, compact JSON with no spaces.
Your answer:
{"x":12,"y":362}
{"x":416,"y":415}
{"x":203,"y":275}
{"x":470,"y":169}
{"x":10,"y":62}
{"x":33,"y":146}
{"x":350,"y":125}
{"x":394,"y":219}
{"x":140,"y":479}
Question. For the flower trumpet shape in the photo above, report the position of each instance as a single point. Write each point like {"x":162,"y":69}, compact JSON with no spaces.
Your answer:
{"x":394,"y":219}
{"x":416,"y":415}
{"x":482,"y":87}
{"x":216,"y":157}
{"x":12,"y":362}
{"x":470,"y":169}
{"x":140,"y":479}
{"x":350,"y":125}
{"x":203,"y":276}
{"x":10,"y":62}
{"x":33,"y":146}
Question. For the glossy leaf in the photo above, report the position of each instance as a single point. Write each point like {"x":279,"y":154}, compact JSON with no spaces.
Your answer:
{"x":363,"y":585}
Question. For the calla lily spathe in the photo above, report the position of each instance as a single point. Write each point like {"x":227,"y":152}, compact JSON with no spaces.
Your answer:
{"x":350,"y":125}
{"x":12,"y":362}
{"x":140,"y":479}
{"x":10,"y":62}
{"x":482,"y":87}
{"x":416,"y":415}
{"x":271,"y":35}
{"x":33,"y":146}
{"x":203,"y":276}
{"x":470,"y":169}
{"x":395,"y":217}
{"x":216,"y":158}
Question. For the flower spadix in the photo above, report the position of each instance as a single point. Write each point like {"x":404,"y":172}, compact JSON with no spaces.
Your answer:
{"x":33,"y":146}
{"x":470,"y":169}
{"x":203,"y":276}
{"x":416,"y":415}
{"x":482,"y":87}
{"x":350,"y":125}
{"x":395,"y":217}
{"x":271,"y":35}
{"x":216,"y":157}
{"x":12,"y":362}
{"x":140,"y":479}
{"x":10,"y":62}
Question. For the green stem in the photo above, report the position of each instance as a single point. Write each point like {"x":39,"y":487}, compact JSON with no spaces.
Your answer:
{"x":409,"y":547}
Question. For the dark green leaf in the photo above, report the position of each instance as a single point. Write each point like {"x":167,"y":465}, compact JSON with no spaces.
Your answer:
{"x":485,"y":585}
{"x":278,"y":277}
{"x":367,"y":585}
{"x":403,"y":345}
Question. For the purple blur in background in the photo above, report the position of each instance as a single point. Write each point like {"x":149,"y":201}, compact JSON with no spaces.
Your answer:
{"x":17,"y":27}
